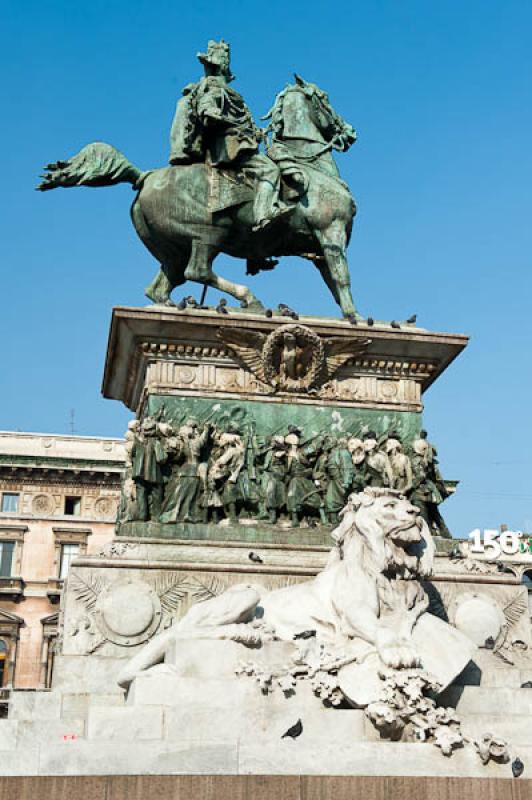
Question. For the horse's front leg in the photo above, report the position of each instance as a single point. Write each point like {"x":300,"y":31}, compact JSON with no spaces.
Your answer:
{"x":238,"y":290}
{"x":199,"y":269}
{"x":333,"y":241}
{"x":160,"y":289}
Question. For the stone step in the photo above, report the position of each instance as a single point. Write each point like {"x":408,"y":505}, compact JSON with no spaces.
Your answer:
{"x":91,"y":757}
{"x":249,"y":757}
{"x":32,"y":705}
{"x":77,"y":704}
{"x":162,"y":689}
{"x":487,"y":700}
{"x":516,"y":729}
{"x":46,"y":732}
{"x":505,"y":677}
{"x":490,"y":671}
{"x":125,"y":724}
{"x":267,"y":726}
{"x":82,"y":674}
{"x":369,"y":758}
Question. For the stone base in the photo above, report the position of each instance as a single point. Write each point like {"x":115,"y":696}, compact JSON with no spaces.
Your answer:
{"x":246,"y":530}
{"x":260,"y":787}
{"x":199,"y":724}
{"x":209,"y":722}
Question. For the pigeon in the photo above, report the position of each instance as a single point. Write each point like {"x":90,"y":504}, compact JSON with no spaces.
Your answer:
{"x":182,"y":304}
{"x":352,"y":319}
{"x":371,"y":321}
{"x":254,"y":557}
{"x":305,"y":634}
{"x":394,"y":324}
{"x":489,"y":644}
{"x":526,"y":685}
{"x":221,"y":307}
{"x":296,"y":730}
{"x":191,"y":301}
{"x":268,"y":312}
{"x":517,"y":766}
{"x":244,"y":304}
{"x":286,"y":311}
{"x":411,"y":320}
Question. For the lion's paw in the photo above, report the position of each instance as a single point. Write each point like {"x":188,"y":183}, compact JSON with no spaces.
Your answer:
{"x":399,"y":655}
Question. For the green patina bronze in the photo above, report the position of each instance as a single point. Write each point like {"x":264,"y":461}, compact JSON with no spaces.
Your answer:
{"x":234,"y":188}
{"x":274,"y":418}
{"x":193,"y":463}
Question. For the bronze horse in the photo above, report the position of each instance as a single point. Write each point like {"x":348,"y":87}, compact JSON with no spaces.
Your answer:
{"x":186,"y":215}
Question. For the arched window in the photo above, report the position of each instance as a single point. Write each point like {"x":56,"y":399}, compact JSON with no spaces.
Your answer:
{"x":527,"y":579}
{"x":3,"y":662}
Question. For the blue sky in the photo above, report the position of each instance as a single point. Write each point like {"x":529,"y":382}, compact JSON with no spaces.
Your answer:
{"x":440,"y":94}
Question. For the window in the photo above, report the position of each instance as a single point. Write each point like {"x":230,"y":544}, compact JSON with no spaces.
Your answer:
{"x":10,"y":502}
{"x":3,"y":662}
{"x":73,"y":506}
{"x":6,"y":558}
{"x":68,"y":554}
{"x":527,"y":580}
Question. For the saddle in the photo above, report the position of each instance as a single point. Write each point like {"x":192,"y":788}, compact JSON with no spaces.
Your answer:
{"x":227,"y":188}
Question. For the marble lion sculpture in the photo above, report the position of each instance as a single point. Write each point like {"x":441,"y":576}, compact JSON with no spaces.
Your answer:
{"x":368,"y":592}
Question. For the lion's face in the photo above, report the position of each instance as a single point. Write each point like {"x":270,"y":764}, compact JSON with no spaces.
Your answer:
{"x":398,"y":519}
{"x":391,"y":528}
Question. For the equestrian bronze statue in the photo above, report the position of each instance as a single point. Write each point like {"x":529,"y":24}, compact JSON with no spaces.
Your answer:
{"x":233,"y":188}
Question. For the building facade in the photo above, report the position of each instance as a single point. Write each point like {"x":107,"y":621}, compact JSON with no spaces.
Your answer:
{"x":58,"y":498}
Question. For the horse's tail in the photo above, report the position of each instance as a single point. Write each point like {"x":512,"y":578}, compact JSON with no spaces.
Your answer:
{"x":97,"y":164}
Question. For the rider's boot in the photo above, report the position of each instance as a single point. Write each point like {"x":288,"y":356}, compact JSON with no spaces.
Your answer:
{"x":280,"y":213}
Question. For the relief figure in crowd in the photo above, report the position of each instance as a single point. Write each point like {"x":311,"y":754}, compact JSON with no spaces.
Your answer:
{"x":400,"y":465}
{"x":355,"y":445}
{"x":230,"y":465}
{"x":183,"y":486}
{"x":302,"y":493}
{"x":378,"y":469}
{"x":224,"y":473}
{"x":273,"y":479}
{"x":428,"y":487}
{"x":339,"y":471}
{"x":147,"y":456}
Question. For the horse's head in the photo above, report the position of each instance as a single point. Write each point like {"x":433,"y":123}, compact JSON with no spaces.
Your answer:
{"x":303,"y":110}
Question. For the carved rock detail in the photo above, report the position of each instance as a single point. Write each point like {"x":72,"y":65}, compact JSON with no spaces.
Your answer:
{"x":42,"y":504}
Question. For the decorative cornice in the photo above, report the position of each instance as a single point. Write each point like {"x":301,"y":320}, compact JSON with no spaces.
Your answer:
{"x":82,"y":531}
{"x":374,"y":366}
{"x":22,"y":529}
{"x":75,"y":465}
{"x":142,"y":339}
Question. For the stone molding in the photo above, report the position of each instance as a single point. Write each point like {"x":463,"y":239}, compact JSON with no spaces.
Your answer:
{"x":179,"y":352}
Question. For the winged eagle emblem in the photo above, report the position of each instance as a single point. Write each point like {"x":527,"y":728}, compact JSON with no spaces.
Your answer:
{"x":292,"y":357}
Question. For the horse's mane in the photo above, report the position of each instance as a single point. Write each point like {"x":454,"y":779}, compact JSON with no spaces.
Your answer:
{"x":315,"y":94}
